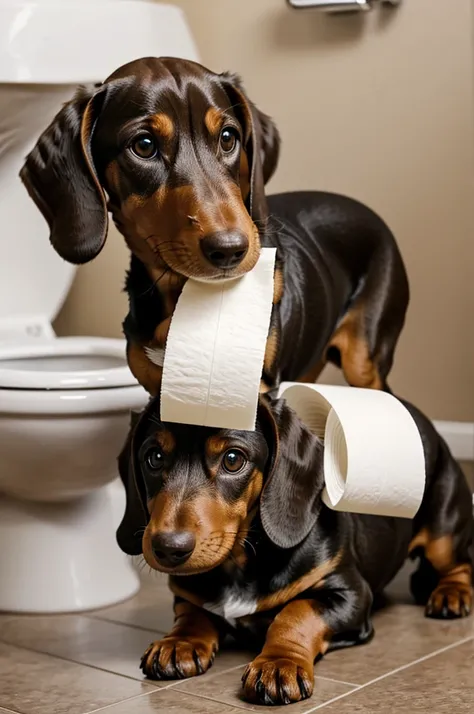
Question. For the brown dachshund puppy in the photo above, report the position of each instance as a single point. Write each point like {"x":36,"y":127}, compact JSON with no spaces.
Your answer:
{"x":237,"y":521}
{"x":180,"y":156}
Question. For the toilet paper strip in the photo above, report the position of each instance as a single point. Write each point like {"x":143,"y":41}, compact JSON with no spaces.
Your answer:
{"x":215,"y":349}
{"x":373,"y":454}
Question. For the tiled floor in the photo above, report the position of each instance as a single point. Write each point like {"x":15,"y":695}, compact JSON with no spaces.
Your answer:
{"x":89,"y":663}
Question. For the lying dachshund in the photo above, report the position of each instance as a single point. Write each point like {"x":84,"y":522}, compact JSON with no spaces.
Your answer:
{"x":237,"y":521}
{"x":180,"y":157}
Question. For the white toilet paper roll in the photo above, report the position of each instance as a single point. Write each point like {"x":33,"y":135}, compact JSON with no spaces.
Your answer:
{"x":373,"y":454}
{"x":215,"y":349}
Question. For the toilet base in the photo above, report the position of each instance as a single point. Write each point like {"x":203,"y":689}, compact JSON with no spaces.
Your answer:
{"x":63,"y":557}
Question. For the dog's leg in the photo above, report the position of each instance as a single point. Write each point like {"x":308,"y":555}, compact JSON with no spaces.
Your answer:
{"x":350,"y":350}
{"x":301,"y":633}
{"x":283,"y":672}
{"x":444,"y":541}
{"x":443,"y":582}
{"x":188,"y":650}
{"x":364,"y":343}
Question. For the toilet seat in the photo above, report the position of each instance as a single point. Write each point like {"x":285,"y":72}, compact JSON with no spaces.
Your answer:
{"x":64,"y":363}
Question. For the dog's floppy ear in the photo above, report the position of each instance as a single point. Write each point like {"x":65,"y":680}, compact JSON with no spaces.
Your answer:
{"x":270,"y":150}
{"x":61,"y":178}
{"x":291,"y":497}
{"x":262,"y":144}
{"x":135,"y":519}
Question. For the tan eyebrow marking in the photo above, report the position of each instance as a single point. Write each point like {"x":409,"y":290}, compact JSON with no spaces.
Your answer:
{"x":163,"y":125}
{"x":216,"y":445}
{"x":166,"y":440}
{"x":213,"y":120}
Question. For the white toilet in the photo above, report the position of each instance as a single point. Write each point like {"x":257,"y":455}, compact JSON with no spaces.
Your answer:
{"x":64,"y":402}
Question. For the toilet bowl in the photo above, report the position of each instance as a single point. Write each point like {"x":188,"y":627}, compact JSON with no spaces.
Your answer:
{"x":64,"y":402}
{"x":64,"y":415}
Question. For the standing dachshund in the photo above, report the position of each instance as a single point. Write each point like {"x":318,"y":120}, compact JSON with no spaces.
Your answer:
{"x":237,"y":521}
{"x":180,"y":157}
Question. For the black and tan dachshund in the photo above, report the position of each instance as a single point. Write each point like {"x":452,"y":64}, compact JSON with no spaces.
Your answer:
{"x":180,"y":157}
{"x":237,"y":521}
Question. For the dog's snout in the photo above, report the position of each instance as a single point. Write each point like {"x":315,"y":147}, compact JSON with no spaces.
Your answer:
{"x":225,"y":249}
{"x":173,"y":548}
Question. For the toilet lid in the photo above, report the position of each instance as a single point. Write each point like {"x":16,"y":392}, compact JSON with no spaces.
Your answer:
{"x":65,"y":363}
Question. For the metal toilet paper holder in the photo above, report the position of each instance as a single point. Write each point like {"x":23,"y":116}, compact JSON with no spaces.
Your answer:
{"x":341,"y":6}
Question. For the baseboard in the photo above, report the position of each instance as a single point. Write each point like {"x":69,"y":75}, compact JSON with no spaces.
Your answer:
{"x":459,"y":436}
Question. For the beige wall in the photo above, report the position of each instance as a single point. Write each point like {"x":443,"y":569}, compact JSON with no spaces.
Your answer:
{"x":378,"y":107}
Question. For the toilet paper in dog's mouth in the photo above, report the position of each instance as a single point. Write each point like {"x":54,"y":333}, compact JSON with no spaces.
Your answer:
{"x":373,"y":453}
{"x":214,"y":354}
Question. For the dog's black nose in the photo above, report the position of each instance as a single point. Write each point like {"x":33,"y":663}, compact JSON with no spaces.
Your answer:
{"x":225,"y":249}
{"x":173,"y":548}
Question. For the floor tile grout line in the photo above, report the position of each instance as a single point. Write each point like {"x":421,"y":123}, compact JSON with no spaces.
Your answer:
{"x":154,"y":687}
{"x":124,"y":624}
{"x":336,"y":699}
{"x":172,"y":685}
{"x":84,"y":664}
{"x":182,"y":682}
{"x":153,"y":690}
{"x":391,"y":673}
{"x":239,"y":705}
{"x":124,"y":701}
{"x":148,"y":682}
{"x":92,"y":616}
{"x":213,"y":699}
{"x":337,"y":681}
{"x":179,"y":685}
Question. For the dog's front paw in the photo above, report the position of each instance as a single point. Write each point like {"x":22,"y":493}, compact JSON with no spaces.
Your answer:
{"x":449,"y":601}
{"x":177,"y":658}
{"x":277,"y":680}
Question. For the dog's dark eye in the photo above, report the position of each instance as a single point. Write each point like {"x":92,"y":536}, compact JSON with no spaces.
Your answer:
{"x":228,"y":139}
{"x":154,"y":459}
{"x":234,"y":461}
{"x":144,"y":147}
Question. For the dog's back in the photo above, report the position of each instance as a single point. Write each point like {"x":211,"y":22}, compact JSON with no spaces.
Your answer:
{"x":345,"y":287}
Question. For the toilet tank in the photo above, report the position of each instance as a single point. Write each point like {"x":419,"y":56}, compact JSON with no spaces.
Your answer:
{"x":81,"y":41}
